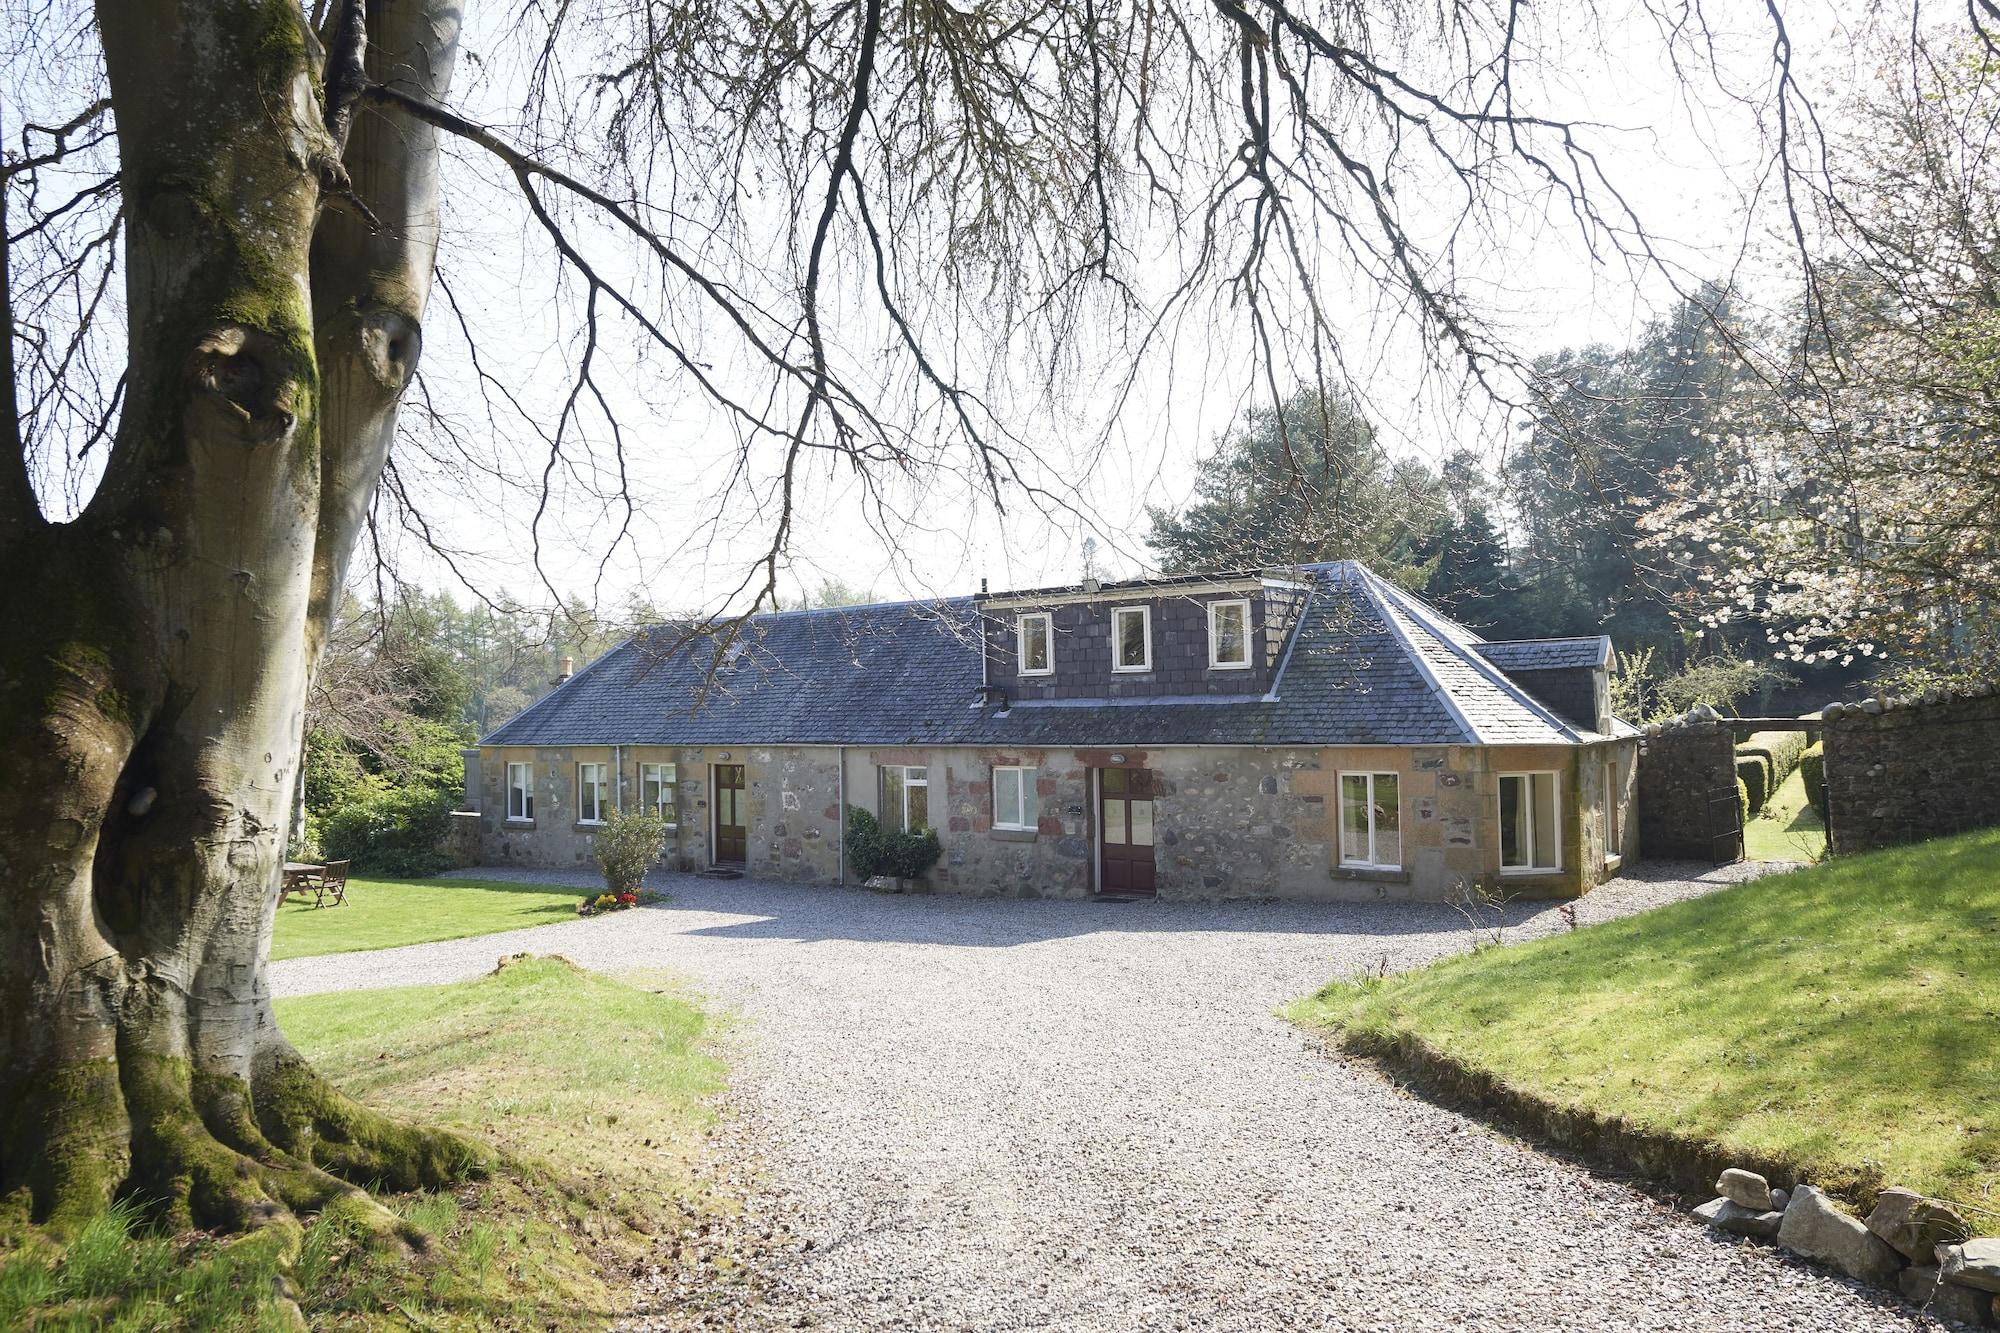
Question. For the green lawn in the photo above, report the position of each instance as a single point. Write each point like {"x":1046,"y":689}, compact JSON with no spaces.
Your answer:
{"x":1838,"y":1019}
{"x":596,"y":1091}
{"x":1787,"y":828}
{"x":382,"y":913}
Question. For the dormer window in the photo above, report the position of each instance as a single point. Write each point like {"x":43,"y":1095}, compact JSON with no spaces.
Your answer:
{"x":1229,"y":635}
{"x":1132,"y":638}
{"x":1034,"y":639}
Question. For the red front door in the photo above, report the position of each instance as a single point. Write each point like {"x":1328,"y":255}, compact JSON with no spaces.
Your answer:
{"x":1125,"y":830}
{"x":731,"y":831}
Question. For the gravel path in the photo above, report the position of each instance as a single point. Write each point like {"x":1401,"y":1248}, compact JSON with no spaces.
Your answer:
{"x":1002,"y":1114}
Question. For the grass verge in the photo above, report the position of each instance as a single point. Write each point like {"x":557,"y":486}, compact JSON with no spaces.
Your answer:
{"x":1832,"y":1024}
{"x":1787,"y":828}
{"x":596,"y":1090}
{"x":383,"y":913}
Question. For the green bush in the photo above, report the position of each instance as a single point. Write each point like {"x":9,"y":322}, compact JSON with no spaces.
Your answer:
{"x":627,"y":847}
{"x":873,"y":850}
{"x":1743,"y":796}
{"x":1812,"y":770}
{"x":399,"y":832}
{"x":1781,"y":748}
{"x":1754,"y":772}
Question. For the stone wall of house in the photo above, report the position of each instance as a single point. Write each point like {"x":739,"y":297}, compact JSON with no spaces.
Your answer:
{"x":1230,"y":822}
{"x":1681,"y":769}
{"x":1903,"y":770}
{"x":1450,"y":802}
{"x":790,"y":797}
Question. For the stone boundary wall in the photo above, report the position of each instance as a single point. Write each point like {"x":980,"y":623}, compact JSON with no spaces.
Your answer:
{"x":1902,"y":770}
{"x":1680,"y":769}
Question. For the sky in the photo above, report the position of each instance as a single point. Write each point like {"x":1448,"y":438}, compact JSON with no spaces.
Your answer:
{"x":1687,"y":162}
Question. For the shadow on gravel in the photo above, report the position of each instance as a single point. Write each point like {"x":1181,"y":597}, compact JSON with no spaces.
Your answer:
{"x":822,"y":912}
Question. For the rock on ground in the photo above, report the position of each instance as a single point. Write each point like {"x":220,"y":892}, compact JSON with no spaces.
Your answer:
{"x":1010,"y":1115}
{"x":1815,"y":1227}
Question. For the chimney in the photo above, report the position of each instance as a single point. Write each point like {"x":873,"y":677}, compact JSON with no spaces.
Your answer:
{"x":568,"y":669}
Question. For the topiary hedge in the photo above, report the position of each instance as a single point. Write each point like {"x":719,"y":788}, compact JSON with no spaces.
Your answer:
{"x":1781,"y":748}
{"x":873,"y":850}
{"x":1754,"y":772}
{"x":1743,"y":797}
{"x":1812,"y":771}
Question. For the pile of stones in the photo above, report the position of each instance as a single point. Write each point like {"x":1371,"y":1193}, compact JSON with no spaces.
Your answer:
{"x":1909,"y":1243}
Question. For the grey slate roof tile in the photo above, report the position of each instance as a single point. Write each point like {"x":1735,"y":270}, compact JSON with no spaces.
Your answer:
{"x":908,"y":673}
{"x":1548,"y":654}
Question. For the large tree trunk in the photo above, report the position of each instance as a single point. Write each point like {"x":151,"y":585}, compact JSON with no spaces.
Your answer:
{"x":156,"y":651}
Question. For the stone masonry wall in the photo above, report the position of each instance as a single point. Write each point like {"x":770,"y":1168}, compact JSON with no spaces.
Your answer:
{"x":1230,"y":822}
{"x":790,"y":798}
{"x":1911,"y":770}
{"x":1680,"y":769}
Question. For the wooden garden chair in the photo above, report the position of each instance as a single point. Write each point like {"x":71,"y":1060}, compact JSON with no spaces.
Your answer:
{"x":332,"y":884}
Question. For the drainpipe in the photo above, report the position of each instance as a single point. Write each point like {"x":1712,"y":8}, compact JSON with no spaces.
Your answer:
{"x":618,"y":779}
{"x":840,"y":832}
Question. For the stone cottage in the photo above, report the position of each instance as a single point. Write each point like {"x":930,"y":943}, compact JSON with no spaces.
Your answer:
{"x":1307,"y":732}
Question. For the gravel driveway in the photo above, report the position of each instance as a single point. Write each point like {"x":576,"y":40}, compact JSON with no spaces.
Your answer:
{"x":1002,"y":1114}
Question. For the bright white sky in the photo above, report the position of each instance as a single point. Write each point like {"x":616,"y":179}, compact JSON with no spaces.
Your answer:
{"x":1689,"y":167}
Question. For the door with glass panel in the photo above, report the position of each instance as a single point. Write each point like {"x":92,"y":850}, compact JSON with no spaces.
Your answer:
{"x":1125,"y":830}
{"x":732,"y":834}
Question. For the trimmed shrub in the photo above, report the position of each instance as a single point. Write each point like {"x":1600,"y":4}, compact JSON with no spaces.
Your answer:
{"x":1754,"y":772}
{"x":1812,"y":771}
{"x":1781,"y":748}
{"x":1743,"y":796}
{"x":627,"y":847}
{"x":873,"y":850}
{"x":399,"y":832}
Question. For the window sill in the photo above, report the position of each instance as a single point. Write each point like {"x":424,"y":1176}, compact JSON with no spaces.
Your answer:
{"x":1530,"y":872}
{"x":589,"y":823}
{"x":1035,"y":675}
{"x":1613,"y":862}
{"x":1131,"y":671}
{"x":1228,"y":666}
{"x":1003,"y":833}
{"x":1372,"y":874}
{"x":515,"y":821}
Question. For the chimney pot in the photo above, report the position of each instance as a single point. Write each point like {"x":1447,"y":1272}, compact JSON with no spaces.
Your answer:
{"x":568,"y":669}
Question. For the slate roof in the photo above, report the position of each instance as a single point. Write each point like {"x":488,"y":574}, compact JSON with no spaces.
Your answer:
{"x":1367,"y":664}
{"x":1548,"y":654}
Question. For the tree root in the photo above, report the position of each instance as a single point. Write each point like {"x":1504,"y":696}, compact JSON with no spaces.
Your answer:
{"x":303,"y":1114}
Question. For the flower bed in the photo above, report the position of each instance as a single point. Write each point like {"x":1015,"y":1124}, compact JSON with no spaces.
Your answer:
{"x":599,"y":904}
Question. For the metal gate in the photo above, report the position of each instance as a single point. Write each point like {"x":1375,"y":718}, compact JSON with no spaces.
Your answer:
{"x":1725,"y":825}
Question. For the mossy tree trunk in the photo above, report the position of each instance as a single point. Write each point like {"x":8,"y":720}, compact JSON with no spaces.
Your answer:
{"x":156,"y":650}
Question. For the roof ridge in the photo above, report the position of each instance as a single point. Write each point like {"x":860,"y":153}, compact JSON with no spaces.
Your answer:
{"x":1494,"y":675}
{"x":1367,"y":579}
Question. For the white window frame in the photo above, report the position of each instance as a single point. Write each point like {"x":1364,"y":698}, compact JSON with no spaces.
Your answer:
{"x":1020,"y":822}
{"x":526,"y":790}
{"x":1145,"y":614}
{"x":1340,"y":826}
{"x":1214,"y":662}
{"x":1527,"y":777}
{"x":1021,"y":666}
{"x":903,"y":777}
{"x":666,"y":778}
{"x":596,"y":790}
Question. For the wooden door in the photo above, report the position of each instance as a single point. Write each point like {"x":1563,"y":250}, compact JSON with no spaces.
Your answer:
{"x":732,"y":835}
{"x":1125,"y":830}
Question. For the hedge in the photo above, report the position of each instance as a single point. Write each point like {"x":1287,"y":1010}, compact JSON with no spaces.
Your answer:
{"x":1812,"y":770}
{"x":399,"y":832}
{"x":1781,"y":748}
{"x":873,"y":850}
{"x":1743,"y":797}
{"x":1754,"y":772}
